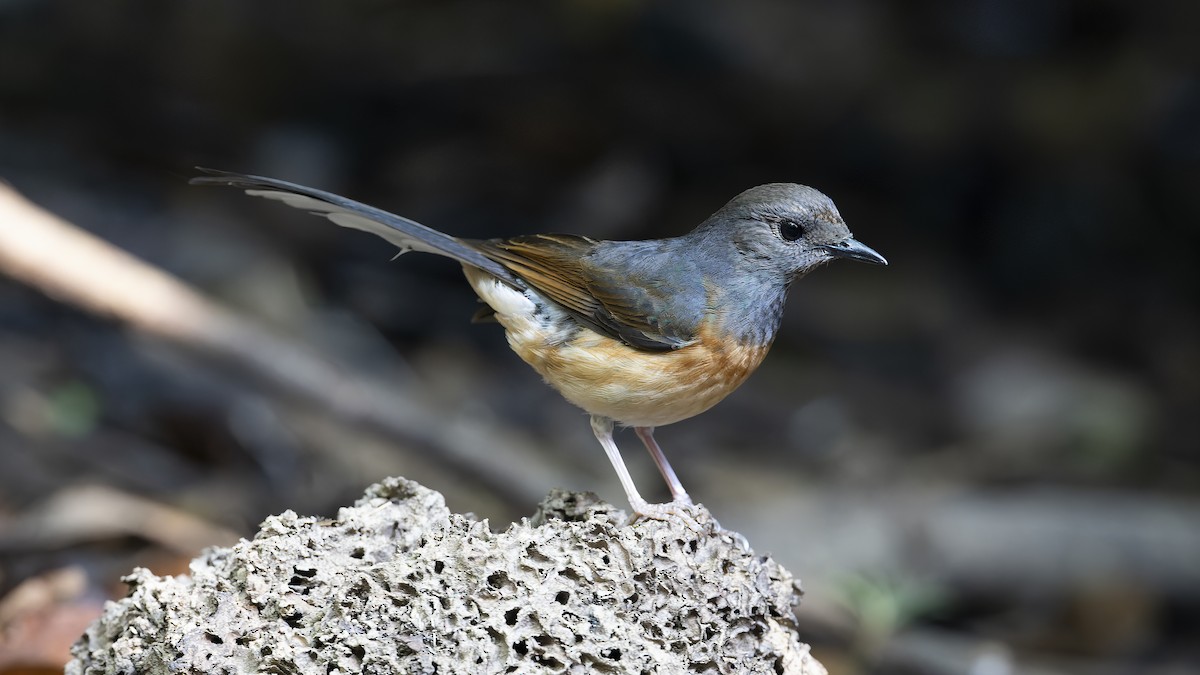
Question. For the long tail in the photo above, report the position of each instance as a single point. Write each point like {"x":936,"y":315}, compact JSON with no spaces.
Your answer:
{"x":408,"y":234}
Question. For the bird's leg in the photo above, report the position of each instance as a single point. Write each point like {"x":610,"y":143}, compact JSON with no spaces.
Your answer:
{"x":603,"y":428}
{"x":678,"y":494}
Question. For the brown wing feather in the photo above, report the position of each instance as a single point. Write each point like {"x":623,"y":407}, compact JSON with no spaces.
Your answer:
{"x":549,"y":263}
{"x":556,"y":266}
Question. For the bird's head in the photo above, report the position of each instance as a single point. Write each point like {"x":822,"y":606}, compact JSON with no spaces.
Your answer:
{"x":785,"y":229}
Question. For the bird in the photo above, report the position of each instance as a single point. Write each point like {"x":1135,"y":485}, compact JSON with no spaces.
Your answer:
{"x":641,"y":333}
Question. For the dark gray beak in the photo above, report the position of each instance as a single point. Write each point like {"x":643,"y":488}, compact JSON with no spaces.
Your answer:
{"x":852,"y":249}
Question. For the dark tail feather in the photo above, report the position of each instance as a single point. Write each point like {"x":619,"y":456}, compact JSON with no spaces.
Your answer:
{"x":408,"y":234}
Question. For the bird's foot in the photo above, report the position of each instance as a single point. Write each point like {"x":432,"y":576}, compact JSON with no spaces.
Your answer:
{"x":694,"y":516}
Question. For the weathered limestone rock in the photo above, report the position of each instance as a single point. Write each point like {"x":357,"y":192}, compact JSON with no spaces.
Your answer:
{"x":398,"y":584}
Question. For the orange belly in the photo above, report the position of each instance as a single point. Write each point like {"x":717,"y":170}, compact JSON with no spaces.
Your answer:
{"x":639,"y":388}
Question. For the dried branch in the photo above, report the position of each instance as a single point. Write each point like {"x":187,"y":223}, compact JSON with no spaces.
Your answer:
{"x":75,"y":267}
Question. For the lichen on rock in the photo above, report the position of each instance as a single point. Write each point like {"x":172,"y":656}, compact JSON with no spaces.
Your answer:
{"x":398,"y":584}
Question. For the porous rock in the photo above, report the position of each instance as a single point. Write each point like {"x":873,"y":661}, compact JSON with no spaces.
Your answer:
{"x":398,"y":584}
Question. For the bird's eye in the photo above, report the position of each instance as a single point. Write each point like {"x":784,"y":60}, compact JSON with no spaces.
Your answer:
{"x":790,"y":230}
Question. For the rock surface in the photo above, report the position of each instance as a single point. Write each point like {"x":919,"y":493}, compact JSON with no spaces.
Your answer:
{"x":398,"y":584}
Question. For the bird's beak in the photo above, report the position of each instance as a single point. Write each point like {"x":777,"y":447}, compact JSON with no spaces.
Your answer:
{"x":854,"y":249}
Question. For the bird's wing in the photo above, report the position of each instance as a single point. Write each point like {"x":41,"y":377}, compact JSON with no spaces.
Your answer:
{"x":407,"y":234}
{"x":624,"y":308}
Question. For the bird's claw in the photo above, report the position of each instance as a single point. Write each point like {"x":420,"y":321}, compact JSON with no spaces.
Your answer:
{"x":694,"y":516}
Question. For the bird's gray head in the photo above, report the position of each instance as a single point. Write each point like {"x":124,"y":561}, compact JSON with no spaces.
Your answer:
{"x":784,"y":229}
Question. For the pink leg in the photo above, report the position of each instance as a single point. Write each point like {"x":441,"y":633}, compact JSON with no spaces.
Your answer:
{"x":603,"y":428}
{"x":678,"y":494}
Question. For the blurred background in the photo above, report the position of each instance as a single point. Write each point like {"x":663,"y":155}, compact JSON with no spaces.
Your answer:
{"x":981,"y":459}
